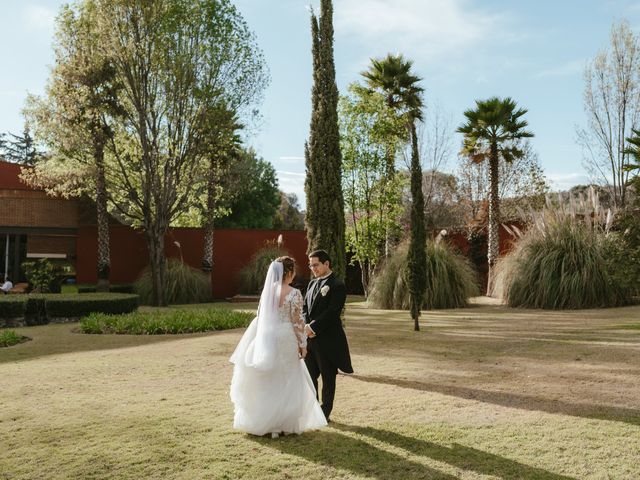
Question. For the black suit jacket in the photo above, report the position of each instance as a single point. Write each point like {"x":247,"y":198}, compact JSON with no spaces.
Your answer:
{"x":322,"y":313}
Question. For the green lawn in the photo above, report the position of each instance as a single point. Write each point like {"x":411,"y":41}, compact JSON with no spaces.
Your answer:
{"x":69,"y":289}
{"x":481,"y":393}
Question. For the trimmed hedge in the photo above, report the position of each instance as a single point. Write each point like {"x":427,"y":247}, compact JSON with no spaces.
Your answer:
{"x":72,"y":306}
{"x":38,"y":309}
{"x":12,"y":306}
{"x":122,"y":288}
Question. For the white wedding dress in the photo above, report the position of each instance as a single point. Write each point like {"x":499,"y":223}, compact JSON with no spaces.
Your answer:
{"x":274,"y":393}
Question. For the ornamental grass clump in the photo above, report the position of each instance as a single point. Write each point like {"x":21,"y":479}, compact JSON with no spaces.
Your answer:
{"x":182,"y":285}
{"x":9,"y":338}
{"x":451,"y":280}
{"x":569,"y":258}
{"x":253,"y":274}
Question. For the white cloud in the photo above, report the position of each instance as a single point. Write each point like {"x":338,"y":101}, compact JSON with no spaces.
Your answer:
{"x":291,"y":159}
{"x":570,"y":68}
{"x":564,"y":181}
{"x":427,"y":27}
{"x":39,"y":18}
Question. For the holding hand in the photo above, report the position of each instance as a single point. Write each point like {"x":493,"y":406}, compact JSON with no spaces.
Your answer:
{"x":302,"y":351}
{"x":310,"y":333}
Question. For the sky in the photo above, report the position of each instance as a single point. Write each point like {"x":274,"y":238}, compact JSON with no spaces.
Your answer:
{"x":464,"y":50}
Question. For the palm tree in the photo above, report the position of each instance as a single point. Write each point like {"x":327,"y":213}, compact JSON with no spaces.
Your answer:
{"x":634,"y":151}
{"x":393,"y":77}
{"x":492,"y":131}
{"x":223,"y":144}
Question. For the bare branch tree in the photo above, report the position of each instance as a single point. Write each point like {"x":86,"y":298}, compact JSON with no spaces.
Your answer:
{"x":612,"y":105}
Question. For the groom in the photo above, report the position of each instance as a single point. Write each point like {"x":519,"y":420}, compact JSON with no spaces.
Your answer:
{"x":327,"y":348}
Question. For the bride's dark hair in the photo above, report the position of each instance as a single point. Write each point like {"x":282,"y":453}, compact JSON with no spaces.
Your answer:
{"x":288,"y":265}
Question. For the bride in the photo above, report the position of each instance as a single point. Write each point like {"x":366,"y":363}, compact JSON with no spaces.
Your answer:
{"x":271,"y":389}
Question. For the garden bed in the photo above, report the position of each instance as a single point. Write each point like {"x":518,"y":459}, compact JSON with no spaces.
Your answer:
{"x":169,"y":322}
{"x":9,"y":338}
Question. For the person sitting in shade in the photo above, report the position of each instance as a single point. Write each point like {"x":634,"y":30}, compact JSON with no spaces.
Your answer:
{"x":6,"y":286}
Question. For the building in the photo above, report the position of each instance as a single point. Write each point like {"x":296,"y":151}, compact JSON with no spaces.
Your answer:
{"x":35,"y":225}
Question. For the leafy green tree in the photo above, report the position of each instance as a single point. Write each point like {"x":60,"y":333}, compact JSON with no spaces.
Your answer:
{"x":74,"y":120}
{"x":391,"y":78}
{"x":255,"y":195}
{"x":323,"y":183}
{"x":224,"y":146}
{"x":371,"y":197}
{"x":493,"y":131}
{"x":289,"y":215}
{"x":176,"y":61}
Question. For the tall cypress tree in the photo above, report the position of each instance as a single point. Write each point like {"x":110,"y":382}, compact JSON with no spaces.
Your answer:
{"x":323,"y":183}
{"x":417,"y":257}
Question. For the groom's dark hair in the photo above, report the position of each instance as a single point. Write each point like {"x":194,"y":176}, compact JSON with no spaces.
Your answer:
{"x":321,"y":255}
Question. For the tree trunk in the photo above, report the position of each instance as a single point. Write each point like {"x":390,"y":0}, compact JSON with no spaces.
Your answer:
{"x":102,"y":219}
{"x":493,"y":250}
{"x":207,"y":255}
{"x":158,"y":263}
{"x":390,"y":174}
{"x":365,"y":276}
{"x":209,"y":225}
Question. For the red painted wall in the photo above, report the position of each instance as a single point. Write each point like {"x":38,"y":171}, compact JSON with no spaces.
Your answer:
{"x":458,"y":240}
{"x":232,"y":251}
{"x":10,"y":177}
{"x":507,"y":241}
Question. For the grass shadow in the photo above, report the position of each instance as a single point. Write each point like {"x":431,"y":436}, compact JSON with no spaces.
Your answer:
{"x":512,"y":400}
{"x":335,"y":450}
{"x":460,"y":456}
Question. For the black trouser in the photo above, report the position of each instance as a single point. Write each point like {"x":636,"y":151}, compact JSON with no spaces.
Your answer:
{"x":319,"y":365}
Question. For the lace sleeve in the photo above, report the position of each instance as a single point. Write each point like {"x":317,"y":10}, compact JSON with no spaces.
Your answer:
{"x":296,"y":319}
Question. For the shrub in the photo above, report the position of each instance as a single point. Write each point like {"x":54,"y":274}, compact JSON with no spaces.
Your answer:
{"x":80,"y":305}
{"x":40,"y":274}
{"x":9,"y":338}
{"x":627,"y":225}
{"x":117,"y":288}
{"x":38,"y":309}
{"x":12,"y":306}
{"x":172,"y":322}
{"x":182,"y":284}
{"x":253,"y":274}
{"x":567,"y":259}
{"x":450,"y":280}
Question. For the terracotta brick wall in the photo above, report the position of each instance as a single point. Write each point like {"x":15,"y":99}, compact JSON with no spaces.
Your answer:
{"x":52,"y":244}
{"x":27,"y":208}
